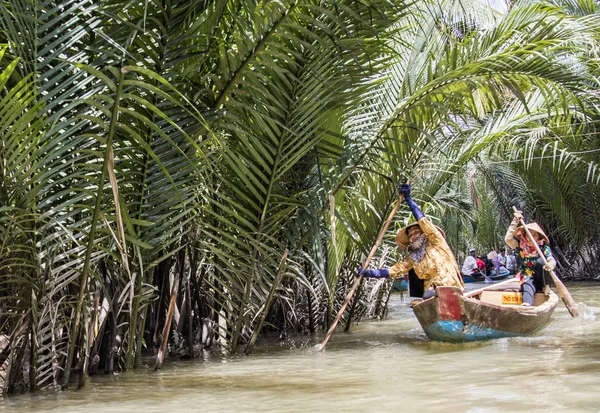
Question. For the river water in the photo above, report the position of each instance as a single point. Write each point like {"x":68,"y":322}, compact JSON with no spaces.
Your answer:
{"x":385,"y":366}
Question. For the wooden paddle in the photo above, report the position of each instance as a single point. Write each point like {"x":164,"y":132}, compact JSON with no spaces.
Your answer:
{"x":563,"y":293}
{"x":359,"y":278}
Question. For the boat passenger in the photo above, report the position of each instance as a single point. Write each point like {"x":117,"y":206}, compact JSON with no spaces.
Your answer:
{"x":502,"y":259}
{"x":428,"y":254}
{"x":473,"y":265}
{"x":482,"y":263}
{"x":470,"y":265}
{"x":502,"y":270}
{"x":511,"y":262}
{"x":532,"y":269}
{"x":493,"y":263}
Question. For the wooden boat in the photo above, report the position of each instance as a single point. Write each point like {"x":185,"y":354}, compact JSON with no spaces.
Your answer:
{"x":483,"y":314}
{"x":493,"y":278}
{"x":400,"y":285}
{"x":471,"y":279}
{"x":498,"y":277}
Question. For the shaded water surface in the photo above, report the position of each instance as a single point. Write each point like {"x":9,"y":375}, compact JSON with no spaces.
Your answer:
{"x":387,"y":366}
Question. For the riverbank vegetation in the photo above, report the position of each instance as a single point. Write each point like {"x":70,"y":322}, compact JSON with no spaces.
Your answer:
{"x":185,"y":174}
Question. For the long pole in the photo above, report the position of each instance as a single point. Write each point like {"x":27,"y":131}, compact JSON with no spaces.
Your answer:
{"x":563,"y":293}
{"x":359,"y":278}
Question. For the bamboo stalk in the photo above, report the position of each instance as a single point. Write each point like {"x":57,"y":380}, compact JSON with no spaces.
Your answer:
{"x":359,"y":278}
{"x":563,"y":293}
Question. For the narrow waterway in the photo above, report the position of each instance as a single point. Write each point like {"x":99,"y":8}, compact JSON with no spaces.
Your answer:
{"x":386,"y":366}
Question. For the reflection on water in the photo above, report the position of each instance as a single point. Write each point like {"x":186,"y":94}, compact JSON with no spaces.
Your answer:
{"x":386,"y":366}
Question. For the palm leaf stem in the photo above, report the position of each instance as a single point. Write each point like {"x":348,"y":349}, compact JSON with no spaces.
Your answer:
{"x":91,"y":237}
{"x":135,"y":342}
{"x":255,"y":251}
{"x":253,"y":53}
{"x":138,"y":351}
{"x":355,"y":301}
{"x":167,"y":327}
{"x":267,"y":306}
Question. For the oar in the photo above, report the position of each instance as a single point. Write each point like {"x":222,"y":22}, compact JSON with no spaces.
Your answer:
{"x":560,"y":287}
{"x":359,"y":278}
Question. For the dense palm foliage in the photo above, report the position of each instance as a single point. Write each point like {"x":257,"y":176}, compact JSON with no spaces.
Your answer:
{"x":208,"y":170}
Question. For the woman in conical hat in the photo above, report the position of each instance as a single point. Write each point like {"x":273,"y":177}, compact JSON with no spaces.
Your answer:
{"x":403,"y":238}
{"x":428,"y":253}
{"x":532,"y":266}
{"x":537,"y":232}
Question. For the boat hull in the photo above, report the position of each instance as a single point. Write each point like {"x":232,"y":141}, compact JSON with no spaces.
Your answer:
{"x":451,"y":317}
{"x":400,"y":285}
{"x":470,"y":279}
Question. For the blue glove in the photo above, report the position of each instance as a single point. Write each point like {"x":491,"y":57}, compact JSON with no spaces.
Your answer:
{"x":417,"y":213}
{"x":382,"y":273}
{"x":405,"y":190}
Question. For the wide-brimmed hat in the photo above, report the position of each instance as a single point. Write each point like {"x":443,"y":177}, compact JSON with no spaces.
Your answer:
{"x":402,"y":236}
{"x":532,"y":226}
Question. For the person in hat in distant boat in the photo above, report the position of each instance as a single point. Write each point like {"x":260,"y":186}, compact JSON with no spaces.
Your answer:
{"x":429,"y":262}
{"x":532,"y":269}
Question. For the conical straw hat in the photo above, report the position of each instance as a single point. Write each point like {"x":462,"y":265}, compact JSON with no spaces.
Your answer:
{"x":532,"y":226}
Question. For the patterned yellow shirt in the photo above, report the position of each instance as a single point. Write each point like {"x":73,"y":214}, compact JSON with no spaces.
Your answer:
{"x":438,"y":267}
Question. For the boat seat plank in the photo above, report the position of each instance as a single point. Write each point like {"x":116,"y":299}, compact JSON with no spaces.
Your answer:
{"x":509,"y":298}
{"x":512,"y":286}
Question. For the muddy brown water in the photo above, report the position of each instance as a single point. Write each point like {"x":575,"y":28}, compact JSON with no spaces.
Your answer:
{"x":385,"y":366}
